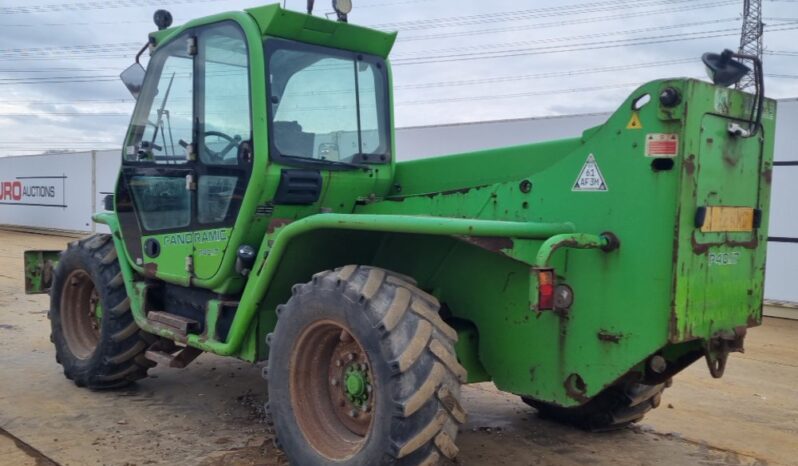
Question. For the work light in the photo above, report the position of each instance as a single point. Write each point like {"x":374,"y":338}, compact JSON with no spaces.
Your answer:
{"x":722,"y":69}
{"x":342,"y":8}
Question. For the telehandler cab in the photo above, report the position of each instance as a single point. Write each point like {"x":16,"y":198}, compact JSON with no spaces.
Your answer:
{"x":260,"y":213}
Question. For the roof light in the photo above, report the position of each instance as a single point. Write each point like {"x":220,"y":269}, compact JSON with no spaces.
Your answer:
{"x":342,"y":8}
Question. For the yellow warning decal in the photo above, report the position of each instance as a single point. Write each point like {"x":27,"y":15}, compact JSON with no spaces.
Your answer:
{"x":634,"y":122}
{"x":728,"y":219}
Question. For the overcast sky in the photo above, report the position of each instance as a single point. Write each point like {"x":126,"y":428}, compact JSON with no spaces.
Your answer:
{"x":454,"y":61}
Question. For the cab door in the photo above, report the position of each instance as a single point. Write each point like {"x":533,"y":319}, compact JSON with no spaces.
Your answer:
{"x":188,"y":155}
{"x":225,"y":147}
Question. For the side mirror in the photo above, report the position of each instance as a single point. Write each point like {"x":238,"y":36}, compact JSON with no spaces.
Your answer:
{"x":133,"y":79}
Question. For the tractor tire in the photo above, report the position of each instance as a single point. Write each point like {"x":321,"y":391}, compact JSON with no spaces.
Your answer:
{"x":612,"y":409}
{"x":362,"y":371}
{"x":96,"y":340}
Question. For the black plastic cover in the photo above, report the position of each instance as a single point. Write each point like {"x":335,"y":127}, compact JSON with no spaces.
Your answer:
{"x":298,"y":187}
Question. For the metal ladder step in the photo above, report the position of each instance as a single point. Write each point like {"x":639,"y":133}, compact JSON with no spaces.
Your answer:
{"x":181,"y":325}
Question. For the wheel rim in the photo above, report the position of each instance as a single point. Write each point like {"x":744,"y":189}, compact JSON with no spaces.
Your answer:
{"x":81,"y":314}
{"x":332,"y":389}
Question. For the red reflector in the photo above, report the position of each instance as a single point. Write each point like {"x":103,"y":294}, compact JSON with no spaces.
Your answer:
{"x":545,"y":289}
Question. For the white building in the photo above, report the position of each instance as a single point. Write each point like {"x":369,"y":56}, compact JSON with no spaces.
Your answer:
{"x":61,"y":191}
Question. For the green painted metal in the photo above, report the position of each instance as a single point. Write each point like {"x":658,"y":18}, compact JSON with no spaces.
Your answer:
{"x":473,"y":228}
{"x":569,"y":240}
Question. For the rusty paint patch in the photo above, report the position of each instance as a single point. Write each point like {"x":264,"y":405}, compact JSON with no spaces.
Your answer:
{"x":437,"y":193}
{"x":768,"y":175}
{"x":276,"y":223}
{"x":611,"y":337}
{"x":575,"y":388}
{"x":702,"y":248}
{"x":150,"y":269}
{"x":458,"y":191}
{"x":689,"y":164}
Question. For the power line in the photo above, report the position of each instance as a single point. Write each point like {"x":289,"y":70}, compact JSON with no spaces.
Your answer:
{"x":782,"y":53}
{"x":515,"y":15}
{"x":555,"y":74}
{"x":519,"y":94}
{"x":560,"y":22}
{"x":71,"y":50}
{"x":573,"y":38}
{"x":580,"y":47}
{"x":86,"y":6}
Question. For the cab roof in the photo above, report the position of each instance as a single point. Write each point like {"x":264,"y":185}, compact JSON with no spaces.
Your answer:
{"x":275,"y":21}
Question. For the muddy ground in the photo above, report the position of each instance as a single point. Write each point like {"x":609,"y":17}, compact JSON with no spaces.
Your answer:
{"x":210,"y":413}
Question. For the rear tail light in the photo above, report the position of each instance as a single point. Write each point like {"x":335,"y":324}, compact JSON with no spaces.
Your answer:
{"x":545,"y":289}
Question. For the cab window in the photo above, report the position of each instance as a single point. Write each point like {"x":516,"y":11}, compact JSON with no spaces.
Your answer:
{"x":161,"y":131}
{"x":326,"y":104}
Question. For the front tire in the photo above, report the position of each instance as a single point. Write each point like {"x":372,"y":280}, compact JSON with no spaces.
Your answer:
{"x":362,"y":371}
{"x":96,"y":339}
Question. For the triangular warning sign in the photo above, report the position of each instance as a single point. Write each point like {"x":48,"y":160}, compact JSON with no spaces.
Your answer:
{"x":634,"y":122}
{"x":590,"y":177}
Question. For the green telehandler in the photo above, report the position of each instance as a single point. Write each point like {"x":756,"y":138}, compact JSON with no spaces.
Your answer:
{"x":260,"y":213}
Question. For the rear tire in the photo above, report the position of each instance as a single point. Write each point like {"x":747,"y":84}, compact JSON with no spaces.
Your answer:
{"x":389,"y":330}
{"x":612,"y":409}
{"x":96,"y":339}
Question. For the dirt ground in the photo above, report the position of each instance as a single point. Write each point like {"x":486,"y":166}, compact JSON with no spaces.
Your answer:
{"x":210,"y":414}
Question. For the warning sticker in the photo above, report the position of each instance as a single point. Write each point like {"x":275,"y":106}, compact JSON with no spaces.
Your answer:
{"x":634,"y":122}
{"x":590,"y":177}
{"x":662,"y":145}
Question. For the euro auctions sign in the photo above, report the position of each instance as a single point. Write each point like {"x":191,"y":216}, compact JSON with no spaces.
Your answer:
{"x":43,"y":191}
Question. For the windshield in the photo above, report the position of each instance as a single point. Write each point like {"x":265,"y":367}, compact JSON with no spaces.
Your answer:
{"x":327,"y":104}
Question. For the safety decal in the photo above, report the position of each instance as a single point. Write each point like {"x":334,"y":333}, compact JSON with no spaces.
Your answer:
{"x":634,"y":122}
{"x":662,"y":145}
{"x":590,"y":177}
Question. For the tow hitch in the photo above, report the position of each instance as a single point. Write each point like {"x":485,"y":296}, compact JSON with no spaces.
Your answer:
{"x":720,"y":345}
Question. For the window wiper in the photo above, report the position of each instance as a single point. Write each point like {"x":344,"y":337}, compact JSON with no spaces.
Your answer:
{"x":327,"y":162}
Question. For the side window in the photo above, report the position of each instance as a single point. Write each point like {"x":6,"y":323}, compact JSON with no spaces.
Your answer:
{"x":225,"y":101}
{"x":162,"y":202}
{"x":162,"y":131}
{"x":214,"y":193}
{"x":326,"y":104}
{"x":369,"y":117}
{"x":316,"y":116}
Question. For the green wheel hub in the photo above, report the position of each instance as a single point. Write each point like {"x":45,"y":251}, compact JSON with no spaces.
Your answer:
{"x":356,"y":384}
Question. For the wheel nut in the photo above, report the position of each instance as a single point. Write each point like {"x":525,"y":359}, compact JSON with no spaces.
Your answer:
{"x":334,"y":382}
{"x":350,"y":357}
{"x":367,"y":408}
{"x":368,"y":388}
{"x":352,"y":413}
{"x":338,"y":363}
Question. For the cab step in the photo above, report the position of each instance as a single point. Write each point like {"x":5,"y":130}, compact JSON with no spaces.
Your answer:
{"x":179,"y":324}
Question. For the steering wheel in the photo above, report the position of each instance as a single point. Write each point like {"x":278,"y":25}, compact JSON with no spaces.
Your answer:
{"x":219,"y":156}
